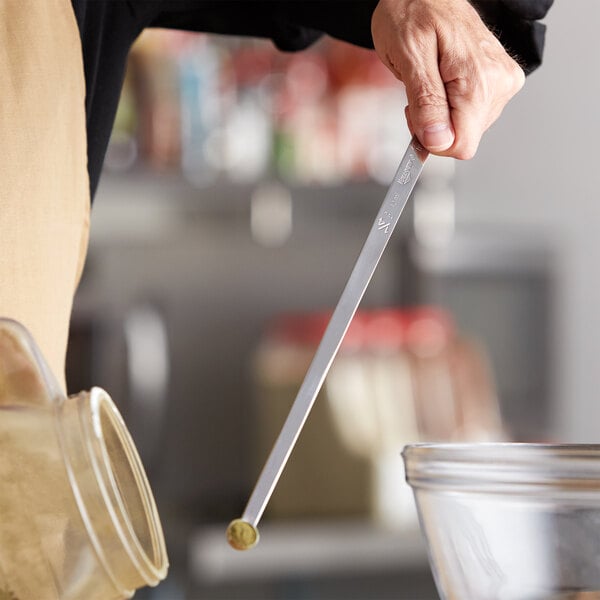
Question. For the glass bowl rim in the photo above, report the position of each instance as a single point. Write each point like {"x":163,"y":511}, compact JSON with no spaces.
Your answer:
{"x":497,"y":466}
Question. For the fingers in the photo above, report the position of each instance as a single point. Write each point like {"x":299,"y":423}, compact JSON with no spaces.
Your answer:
{"x":458,"y":77}
{"x":480,"y":79}
{"x":478,"y":98}
{"x":428,"y":109}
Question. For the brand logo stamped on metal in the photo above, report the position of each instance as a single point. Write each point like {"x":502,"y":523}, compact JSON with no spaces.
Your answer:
{"x":405,"y":176}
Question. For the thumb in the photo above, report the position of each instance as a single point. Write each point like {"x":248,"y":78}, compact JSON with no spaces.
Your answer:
{"x":428,"y":110}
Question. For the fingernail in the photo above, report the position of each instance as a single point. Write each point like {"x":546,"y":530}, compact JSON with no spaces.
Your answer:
{"x":438,"y":136}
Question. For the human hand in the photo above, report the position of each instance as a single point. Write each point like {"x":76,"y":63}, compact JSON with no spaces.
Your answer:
{"x":458,"y":76}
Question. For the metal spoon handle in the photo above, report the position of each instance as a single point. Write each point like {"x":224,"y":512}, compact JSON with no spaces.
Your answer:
{"x":385,"y":222}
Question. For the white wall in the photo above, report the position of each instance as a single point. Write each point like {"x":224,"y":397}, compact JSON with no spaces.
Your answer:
{"x":538,"y":168}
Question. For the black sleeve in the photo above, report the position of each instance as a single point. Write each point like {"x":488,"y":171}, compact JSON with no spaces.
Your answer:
{"x":515,"y":22}
{"x":291,"y":24}
{"x":295,"y":24}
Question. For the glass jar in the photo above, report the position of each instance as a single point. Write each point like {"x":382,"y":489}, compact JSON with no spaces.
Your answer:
{"x":78,"y":516}
{"x":509,"y":521}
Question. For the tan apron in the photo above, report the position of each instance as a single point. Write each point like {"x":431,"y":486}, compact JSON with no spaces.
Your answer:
{"x":44,"y":192}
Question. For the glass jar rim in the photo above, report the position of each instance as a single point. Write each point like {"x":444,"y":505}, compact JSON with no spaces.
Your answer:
{"x":89,"y":425}
{"x":482,"y":465}
{"x":153,"y":568}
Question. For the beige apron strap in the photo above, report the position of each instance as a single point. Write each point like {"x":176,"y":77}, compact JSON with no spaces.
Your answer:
{"x":44,"y":193}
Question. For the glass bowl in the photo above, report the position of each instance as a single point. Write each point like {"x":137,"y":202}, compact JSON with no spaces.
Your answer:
{"x":509,"y":521}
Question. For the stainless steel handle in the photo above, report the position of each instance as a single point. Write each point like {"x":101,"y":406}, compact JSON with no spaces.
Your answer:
{"x":385,"y":222}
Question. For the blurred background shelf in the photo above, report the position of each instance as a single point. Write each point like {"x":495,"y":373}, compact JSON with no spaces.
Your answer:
{"x":309,"y":558}
{"x":310,"y":549}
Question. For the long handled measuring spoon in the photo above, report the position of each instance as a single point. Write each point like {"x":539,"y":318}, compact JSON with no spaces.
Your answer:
{"x":242,"y":534}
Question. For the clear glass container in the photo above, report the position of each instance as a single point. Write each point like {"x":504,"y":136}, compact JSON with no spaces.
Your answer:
{"x":78,"y":519}
{"x":509,"y":521}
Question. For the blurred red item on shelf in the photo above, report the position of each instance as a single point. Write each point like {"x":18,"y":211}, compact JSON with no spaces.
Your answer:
{"x":403,"y":375}
{"x":156,"y":88}
{"x":375,"y":329}
{"x":251,"y":63}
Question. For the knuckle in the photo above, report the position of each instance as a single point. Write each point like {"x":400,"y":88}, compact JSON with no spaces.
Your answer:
{"x":468,"y":148}
{"x":489,"y":84}
{"x":471,"y":90}
{"x":465,"y":146}
{"x":429,"y":99}
{"x":487,"y":79}
{"x":459,"y":153}
{"x":393,"y":65}
{"x":465,"y":153}
{"x":511,"y":75}
{"x":518,"y":77}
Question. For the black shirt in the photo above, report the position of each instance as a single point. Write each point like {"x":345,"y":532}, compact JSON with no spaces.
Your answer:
{"x":108,"y":28}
